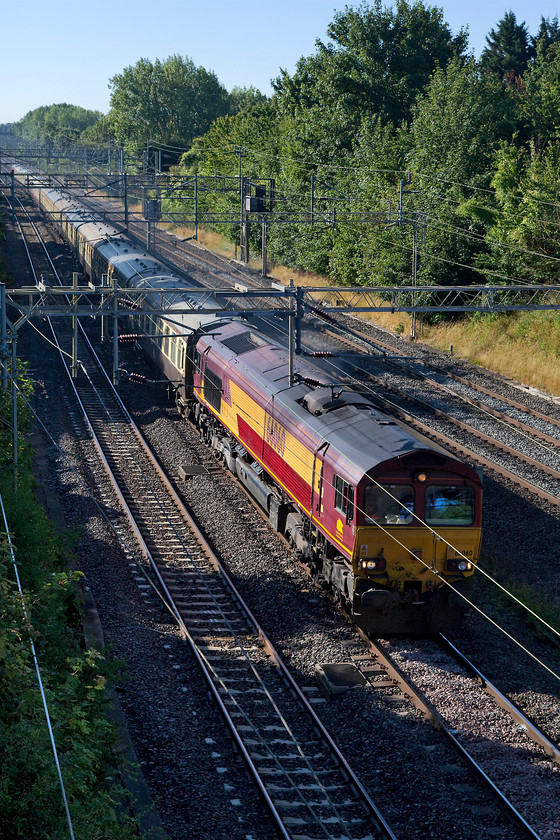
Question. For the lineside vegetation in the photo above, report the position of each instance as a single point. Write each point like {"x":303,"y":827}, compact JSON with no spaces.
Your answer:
{"x":31,"y":803}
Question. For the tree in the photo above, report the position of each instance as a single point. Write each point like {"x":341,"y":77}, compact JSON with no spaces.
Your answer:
{"x":169,"y":102}
{"x":224,"y":150}
{"x":539,"y":98}
{"x":243,"y":99}
{"x":523,"y":240}
{"x":458,"y":124}
{"x":376,"y":62}
{"x":508,"y":51}
{"x":57,"y":123}
{"x":364,"y":79}
{"x":548,"y":34}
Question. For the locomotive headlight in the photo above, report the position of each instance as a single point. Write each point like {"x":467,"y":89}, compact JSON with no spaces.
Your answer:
{"x":377,"y":565}
{"x":464,"y":565}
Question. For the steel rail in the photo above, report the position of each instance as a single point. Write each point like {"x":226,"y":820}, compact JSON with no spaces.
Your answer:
{"x":509,"y":450}
{"x":382,"y":828}
{"x":423,"y":705}
{"x":175,"y":610}
{"x":153,"y":565}
{"x":533,"y":731}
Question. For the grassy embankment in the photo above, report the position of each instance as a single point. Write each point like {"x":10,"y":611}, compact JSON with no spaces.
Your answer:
{"x":524,"y":346}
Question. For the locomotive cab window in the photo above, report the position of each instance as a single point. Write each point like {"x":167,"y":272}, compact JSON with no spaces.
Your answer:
{"x":344,"y":497}
{"x":448,"y":505}
{"x":388,"y":504}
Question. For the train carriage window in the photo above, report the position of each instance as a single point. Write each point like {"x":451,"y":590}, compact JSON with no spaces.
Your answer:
{"x":388,"y":504}
{"x":447,"y":505}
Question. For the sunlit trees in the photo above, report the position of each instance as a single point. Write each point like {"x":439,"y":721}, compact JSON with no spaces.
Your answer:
{"x":375,"y":63}
{"x":56,"y":123}
{"x":169,"y":102}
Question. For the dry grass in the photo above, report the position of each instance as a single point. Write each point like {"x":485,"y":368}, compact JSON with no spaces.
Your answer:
{"x":207,"y":238}
{"x":524,"y":346}
{"x":218,"y":244}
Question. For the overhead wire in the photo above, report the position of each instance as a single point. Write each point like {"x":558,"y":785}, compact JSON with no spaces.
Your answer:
{"x":477,"y":567}
{"x":424,"y":524}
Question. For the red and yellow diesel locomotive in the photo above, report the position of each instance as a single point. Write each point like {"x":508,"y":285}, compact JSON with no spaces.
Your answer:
{"x":383,"y":516}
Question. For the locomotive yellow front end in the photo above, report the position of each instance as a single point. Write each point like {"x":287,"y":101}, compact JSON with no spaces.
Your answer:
{"x":416,"y":546}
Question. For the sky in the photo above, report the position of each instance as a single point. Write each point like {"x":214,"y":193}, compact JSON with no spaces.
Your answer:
{"x":54,"y":51}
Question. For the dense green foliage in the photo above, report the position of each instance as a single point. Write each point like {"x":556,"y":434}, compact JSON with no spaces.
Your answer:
{"x":56,"y":123}
{"x":376,"y":61}
{"x":31,"y":804}
{"x":388,"y":138}
{"x":508,"y":49}
{"x":407,"y":139}
{"x":169,"y":102}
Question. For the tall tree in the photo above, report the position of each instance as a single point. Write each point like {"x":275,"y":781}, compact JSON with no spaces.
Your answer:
{"x":375,"y":63}
{"x":548,"y":34}
{"x":508,"y":49}
{"x":169,"y":102}
{"x":539,"y":98}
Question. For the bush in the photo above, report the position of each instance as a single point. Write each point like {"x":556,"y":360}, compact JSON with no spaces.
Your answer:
{"x":74,"y":679}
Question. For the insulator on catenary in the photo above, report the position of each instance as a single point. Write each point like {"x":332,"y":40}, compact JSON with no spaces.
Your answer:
{"x":137,"y":377}
{"x":130,"y":337}
{"x":321,"y":314}
{"x":129,"y":303}
{"x":321,"y":354}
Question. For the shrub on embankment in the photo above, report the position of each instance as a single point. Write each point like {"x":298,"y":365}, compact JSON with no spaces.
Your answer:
{"x":31,"y":803}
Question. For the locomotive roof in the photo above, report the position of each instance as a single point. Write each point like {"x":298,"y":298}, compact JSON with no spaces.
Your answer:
{"x":362,"y":436}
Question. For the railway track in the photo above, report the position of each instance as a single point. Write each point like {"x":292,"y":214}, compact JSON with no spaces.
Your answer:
{"x":304,"y":779}
{"x":468,"y":710}
{"x":378,"y":678}
{"x":307,"y":785}
{"x":171,"y":584}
